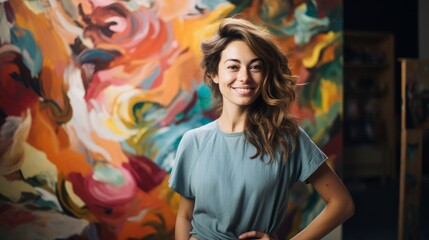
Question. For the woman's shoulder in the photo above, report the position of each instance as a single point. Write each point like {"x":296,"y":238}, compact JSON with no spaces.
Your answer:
{"x":199,"y":131}
{"x":199,"y":134}
{"x":305,"y":140}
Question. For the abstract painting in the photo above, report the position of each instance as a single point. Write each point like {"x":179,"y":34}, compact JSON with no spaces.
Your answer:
{"x":96,"y":95}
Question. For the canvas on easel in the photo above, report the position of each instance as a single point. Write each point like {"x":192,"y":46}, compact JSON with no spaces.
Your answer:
{"x":414,"y":121}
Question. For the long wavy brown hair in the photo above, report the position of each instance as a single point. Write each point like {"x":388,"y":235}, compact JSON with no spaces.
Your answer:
{"x":270,"y":126}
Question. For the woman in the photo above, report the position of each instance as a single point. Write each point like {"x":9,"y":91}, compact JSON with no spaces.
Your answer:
{"x":234,"y":174}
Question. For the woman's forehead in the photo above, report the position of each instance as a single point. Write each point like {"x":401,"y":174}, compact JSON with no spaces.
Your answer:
{"x":238,"y":50}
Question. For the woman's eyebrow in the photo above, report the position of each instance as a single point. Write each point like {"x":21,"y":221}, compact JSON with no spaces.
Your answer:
{"x":232,"y":59}
{"x":238,"y":61}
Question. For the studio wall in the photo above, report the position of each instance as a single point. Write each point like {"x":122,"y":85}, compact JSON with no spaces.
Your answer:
{"x":96,"y":95}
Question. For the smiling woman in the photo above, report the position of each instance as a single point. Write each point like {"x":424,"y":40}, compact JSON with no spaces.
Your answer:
{"x":239,"y":75}
{"x":261,"y":152}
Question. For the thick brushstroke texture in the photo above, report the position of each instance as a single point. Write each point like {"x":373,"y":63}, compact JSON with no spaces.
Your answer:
{"x":147,"y":174}
{"x":96,"y":95}
{"x":24,"y":41}
{"x":12,"y":139}
{"x":55,"y":59}
{"x":109,"y":201}
{"x":19,"y":89}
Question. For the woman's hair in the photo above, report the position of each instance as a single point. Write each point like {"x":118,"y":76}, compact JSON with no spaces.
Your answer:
{"x":270,"y":127}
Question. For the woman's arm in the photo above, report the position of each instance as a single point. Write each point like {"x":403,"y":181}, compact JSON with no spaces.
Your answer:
{"x":339,"y":204}
{"x":184,"y":218}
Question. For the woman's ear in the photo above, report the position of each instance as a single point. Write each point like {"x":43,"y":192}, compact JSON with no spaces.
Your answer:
{"x":214,"y":79}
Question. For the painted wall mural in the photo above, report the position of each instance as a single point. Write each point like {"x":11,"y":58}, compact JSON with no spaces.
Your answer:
{"x":95,"y":96}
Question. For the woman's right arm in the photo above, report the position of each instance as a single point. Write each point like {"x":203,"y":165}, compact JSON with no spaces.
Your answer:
{"x":184,"y":218}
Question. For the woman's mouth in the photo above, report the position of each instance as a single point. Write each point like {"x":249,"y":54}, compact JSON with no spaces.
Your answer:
{"x":243,"y":90}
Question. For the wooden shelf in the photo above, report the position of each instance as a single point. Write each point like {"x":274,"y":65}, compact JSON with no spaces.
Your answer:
{"x":365,"y":65}
{"x":369,"y":119}
{"x":367,"y":93}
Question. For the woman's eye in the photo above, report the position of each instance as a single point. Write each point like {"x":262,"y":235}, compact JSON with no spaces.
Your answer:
{"x":256,"y":68}
{"x":232,"y":67}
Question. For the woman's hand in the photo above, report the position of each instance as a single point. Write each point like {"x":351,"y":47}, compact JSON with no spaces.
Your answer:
{"x":257,"y":235}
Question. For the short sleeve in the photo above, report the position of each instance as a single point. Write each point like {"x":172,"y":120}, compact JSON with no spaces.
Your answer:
{"x":181,"y":174}
{"x":309,"y":155}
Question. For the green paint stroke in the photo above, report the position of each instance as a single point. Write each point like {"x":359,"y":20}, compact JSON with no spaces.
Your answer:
{"x":108,"y":174}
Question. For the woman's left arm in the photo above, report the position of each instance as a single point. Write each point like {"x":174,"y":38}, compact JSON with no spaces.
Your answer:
{"x":339,"y":204}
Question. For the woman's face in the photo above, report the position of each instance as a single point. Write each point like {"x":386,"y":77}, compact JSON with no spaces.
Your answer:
{"x":240,"y":74}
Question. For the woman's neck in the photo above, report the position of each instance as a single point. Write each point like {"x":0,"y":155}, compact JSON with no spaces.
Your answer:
{"x":232,"y":121}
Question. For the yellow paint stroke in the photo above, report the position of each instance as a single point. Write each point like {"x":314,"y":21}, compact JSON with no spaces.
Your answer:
{"x":70,"y":201}
{"x":331,"y":94}
{"x":312,"y":53}
{"x":191,"y":32}
{"x":36,"y":164}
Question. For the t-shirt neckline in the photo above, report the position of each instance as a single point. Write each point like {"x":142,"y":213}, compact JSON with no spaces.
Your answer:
{"x":234,"y":134}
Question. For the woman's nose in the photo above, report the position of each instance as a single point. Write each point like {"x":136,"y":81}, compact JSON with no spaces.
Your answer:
{"x":243,"y":75}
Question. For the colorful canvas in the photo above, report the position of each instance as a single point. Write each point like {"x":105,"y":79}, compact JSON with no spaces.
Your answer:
{"x":95,"y":96}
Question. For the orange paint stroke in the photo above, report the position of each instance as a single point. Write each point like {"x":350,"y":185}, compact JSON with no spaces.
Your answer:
{"x":49,"y":138}
{"x":55,"y":55}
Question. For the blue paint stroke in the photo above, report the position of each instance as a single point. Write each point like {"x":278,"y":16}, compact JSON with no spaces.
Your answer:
{"x":32,"y":55}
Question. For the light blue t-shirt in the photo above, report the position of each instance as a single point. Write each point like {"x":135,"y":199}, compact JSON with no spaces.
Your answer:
{"x":233,"y":193}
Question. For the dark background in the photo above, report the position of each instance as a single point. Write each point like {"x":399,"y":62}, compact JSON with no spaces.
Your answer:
{"x":377,"y":202}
